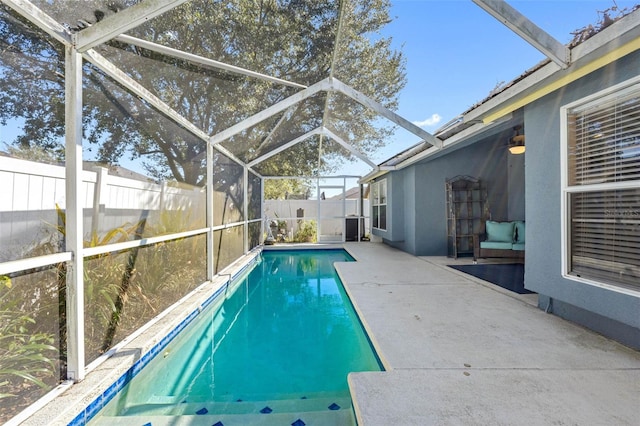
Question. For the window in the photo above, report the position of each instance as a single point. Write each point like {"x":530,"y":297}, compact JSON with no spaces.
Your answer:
{"x":601,"y":190}
{"x":379,"y":203}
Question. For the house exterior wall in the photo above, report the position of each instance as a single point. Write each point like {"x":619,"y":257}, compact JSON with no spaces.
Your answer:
{"x":401,"y":205}
{"x":395,"y":203}
{"x":526,"y":187}
{"x":609,"y":312}
{"x":422,"y":215}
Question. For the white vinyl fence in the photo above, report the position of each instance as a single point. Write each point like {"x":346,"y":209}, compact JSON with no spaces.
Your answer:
{"x":31,"y":194}
{"x":328,"y":213}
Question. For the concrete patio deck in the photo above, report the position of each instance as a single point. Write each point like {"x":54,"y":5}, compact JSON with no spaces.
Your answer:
{"x":461,"y":351}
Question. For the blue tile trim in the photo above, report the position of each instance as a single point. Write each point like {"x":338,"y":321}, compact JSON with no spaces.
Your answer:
{"x":78,"y":421}
{"x":94,"y":407}
{"x":244,"y":268}
{"x":215,"y":295}
{"x":97,"y":404}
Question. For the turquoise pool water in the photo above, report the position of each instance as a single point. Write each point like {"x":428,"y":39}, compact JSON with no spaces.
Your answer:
{"x":280,"y":344}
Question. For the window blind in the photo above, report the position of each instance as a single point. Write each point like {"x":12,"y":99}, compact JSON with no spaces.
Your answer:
{"x":605,"y":236}
{"x":604,"y":142}
{"x":604,"y":150}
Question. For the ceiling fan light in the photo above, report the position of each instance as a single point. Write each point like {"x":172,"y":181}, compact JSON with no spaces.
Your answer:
{"x":517,"y":149}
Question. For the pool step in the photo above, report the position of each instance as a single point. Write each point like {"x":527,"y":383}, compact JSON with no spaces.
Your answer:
{"x":297,"y":412}
{"x":314,"y":418}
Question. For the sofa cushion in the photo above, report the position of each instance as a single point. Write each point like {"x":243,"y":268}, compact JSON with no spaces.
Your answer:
{"x":519,"y":231}
{"x":518,"y":246}
{"x":496,"y":245}
{"x":500,"y":232}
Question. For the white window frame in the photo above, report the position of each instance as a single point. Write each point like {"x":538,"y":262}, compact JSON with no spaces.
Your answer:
{"x":605,"y":95}
{"x":376,"y":203}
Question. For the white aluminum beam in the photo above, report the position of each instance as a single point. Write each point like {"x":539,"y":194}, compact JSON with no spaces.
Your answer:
{"x":74,"y":215}
{"x":139,"y":90}
{"x":348,"y":146}
{"x":40,"y":19}
{"x":245,"y":207}
{"x":206,"y":62}
{"x":118,"y":23}
{"x":327,"y":84}
{"x":209,"y":212}
{"x":585,"y":57}
{"x":128,"y":245}
{"x":452,"y":141}
{"x":229,"y":154}
{"x":316,"y":131}
{"x":12,"y":266}
{"x":312,"y":177}
{"x":377,"y":107}
{"x":323,"y":85}
{"x":534,"y":35}
{"x":267,"y":138}
{"x":263,"y":216}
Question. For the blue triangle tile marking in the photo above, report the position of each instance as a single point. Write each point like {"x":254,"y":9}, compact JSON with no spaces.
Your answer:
{"x":147,"y":424}
{"x":218,"y":424}
{"x":334,"y":406}
{"x":202,"y":411}
{"x":266,"y":410}
{"x":298,"y":423}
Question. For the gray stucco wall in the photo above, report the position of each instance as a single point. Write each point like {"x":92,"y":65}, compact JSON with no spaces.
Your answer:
{"x":609,"y":312}
{"x":516,"y":191}
{"x":524,"y":187}
{"x":423,"y":216}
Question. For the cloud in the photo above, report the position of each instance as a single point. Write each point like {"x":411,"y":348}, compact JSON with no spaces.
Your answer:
{"x":431,"y":121}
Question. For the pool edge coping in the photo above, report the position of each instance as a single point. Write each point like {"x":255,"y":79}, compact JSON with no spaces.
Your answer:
{"x":84,"y":399}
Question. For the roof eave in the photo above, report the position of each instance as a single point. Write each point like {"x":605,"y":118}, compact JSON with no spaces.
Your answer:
{"x":618,"y":40}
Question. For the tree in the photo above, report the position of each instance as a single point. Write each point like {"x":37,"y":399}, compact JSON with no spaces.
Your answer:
{"x":289,"y":39}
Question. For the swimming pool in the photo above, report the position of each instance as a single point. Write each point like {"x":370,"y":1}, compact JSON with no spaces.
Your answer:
{"x":276,"y":349}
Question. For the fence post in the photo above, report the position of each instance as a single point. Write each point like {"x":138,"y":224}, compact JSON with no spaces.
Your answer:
{"x":99,"y":191}
{"x":163,"y":195}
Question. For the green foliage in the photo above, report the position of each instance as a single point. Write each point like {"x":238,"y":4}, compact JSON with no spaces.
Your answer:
{"x":291,"y":39}
{"x":306,"y":232}
{"x":36,"y":153}
{"x":26,"y":356}
{"x":281,"y":189}
{"x":123,"y":290}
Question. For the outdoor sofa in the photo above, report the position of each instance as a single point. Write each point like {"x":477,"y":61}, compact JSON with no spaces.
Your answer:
{"x":500,"y":239}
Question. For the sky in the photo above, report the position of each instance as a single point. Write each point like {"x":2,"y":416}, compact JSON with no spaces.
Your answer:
{"x":456,"y":53}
